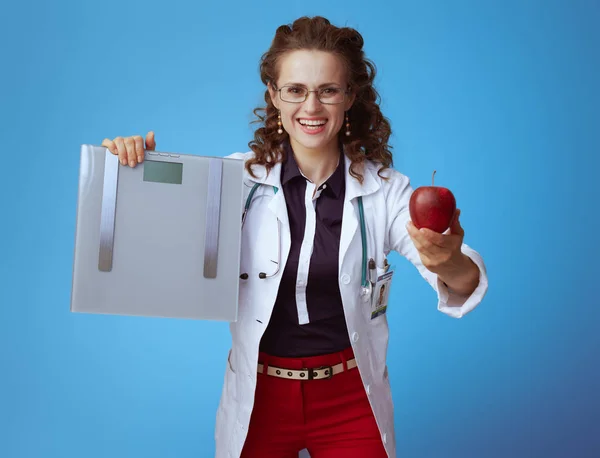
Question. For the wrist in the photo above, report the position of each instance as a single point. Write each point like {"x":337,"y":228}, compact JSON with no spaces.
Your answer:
{"x":462,"y":277}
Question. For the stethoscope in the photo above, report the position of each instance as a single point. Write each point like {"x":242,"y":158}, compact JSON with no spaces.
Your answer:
{"x":367,"y":286}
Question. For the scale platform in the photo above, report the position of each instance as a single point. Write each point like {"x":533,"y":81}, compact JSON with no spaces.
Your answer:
{"x":161,"y":239}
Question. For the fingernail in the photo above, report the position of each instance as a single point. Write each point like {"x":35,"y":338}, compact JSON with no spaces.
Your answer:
{"x":123,"y":161}
{"x":131,"y":163}
{"x":140,"y":158}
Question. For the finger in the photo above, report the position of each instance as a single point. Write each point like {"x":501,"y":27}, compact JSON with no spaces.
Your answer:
{"x":131,"y":155}
{"x":121,"y":149}
{"x":432,"y":256}
{"x":425,"y":235}
{"x":445,"y":241}
{"x":150,"y":141}
{"x":414,"y":232}
{"x":422,"y":243}
{"x":108,"y":143}
{"x":449,"y":228}
{"x":434,"y":237}
{"x":428,"y":258}
{"x":421,"y":236}
{"x":419,"y":246}
{"x":454,"y":216}
{"x":455,"y":227}
{"x":139,"y":148}
{"x":431,"y":250}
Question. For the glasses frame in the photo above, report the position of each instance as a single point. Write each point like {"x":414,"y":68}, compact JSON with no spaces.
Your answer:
{"x":318,"y":92}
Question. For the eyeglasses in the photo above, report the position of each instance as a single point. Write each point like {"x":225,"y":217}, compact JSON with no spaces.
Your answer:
{"x":331,"y":95}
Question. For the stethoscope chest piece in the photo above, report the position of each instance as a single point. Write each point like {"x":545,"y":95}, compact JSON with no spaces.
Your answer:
{"x":366,"y":292}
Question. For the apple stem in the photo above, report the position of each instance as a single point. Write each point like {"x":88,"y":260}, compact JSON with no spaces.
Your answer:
{"x":432,"y":178}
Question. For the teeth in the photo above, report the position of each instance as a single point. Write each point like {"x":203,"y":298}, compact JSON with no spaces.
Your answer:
{"x":306,"y":122}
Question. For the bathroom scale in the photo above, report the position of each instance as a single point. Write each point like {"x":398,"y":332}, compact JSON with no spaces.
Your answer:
{"x":161,"y":239}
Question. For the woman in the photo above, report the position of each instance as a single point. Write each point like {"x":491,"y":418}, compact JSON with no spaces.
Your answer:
{"x":381,"y":294}
{"x":307,"y":368}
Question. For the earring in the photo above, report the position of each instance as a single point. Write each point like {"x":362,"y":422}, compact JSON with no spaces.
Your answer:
{"x":279,"y":128}
{"x":347,"y":126}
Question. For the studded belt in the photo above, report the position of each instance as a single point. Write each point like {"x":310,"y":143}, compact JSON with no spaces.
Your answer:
{"x":316,"y":373}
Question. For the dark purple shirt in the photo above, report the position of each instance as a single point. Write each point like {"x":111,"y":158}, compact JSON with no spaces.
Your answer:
{"x":316,"y":302}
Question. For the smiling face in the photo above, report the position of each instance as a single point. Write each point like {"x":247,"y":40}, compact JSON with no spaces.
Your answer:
{"x":313,"y":126}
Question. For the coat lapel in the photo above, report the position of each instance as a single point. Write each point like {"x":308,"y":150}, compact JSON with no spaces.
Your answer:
{"x":354,"y":189}
{"x":277,"y":204}
{"x":273,"y":178}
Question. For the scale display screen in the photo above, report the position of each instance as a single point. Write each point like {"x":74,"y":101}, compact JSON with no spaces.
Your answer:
{"x":163,"y":172}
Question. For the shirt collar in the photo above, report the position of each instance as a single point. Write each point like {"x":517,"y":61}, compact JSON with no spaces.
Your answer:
{"x":290,"y":170}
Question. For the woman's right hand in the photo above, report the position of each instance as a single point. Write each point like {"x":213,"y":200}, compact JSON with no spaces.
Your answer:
{"x":130,"y":149}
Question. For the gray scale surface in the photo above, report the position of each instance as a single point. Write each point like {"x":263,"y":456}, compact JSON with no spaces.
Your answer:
{"x":161,"y":239}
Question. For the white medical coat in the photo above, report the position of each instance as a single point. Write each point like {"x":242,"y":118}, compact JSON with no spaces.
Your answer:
{"x":386,"y":214}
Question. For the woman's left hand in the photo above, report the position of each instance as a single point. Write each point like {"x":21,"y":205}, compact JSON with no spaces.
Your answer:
{"x":440,"y":253}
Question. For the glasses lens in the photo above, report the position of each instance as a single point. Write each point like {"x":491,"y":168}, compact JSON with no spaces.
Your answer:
{"x":331,"y":95}
{"x":293,"y":94}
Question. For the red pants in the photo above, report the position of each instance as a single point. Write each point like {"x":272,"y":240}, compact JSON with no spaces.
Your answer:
{"x":331,"y":418}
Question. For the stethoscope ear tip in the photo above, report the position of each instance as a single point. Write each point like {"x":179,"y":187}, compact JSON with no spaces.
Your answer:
{"x":244,"y":276}
{"x":262,"y":275}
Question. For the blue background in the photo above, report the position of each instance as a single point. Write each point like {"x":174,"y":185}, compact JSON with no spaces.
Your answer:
{"x":501,"y":98}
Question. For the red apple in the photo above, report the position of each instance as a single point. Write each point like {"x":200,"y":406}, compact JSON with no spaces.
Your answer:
{"x":432,"y":207}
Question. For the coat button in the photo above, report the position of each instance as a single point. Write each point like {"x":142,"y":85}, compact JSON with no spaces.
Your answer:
{"x":345,"y":279}
{"x":354,"y":336}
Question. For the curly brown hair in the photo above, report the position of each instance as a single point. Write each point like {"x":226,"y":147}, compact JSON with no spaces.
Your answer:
{"x":370,"y":129}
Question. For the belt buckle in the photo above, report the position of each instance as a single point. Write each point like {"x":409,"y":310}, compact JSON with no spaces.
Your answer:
{"x":311,"y":376}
